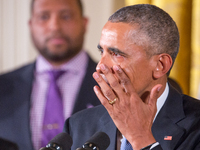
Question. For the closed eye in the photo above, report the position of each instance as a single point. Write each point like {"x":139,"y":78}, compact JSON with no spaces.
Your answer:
{"x":117,"y":52}
{"x":112,"y":51}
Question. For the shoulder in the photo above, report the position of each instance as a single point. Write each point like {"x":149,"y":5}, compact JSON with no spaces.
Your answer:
{"x":89,"y":113}
{"x":191,"y":105}
{"x":15,"y":73}
{"x":86,"y":118}
{"x":21,"y":75}
{"x":177,"y":101}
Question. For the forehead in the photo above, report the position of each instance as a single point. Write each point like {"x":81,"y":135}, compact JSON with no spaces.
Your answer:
{"x":120,"y":34}
{"x":124,"y":37}
{"x":118,"y":28}
{"x":50,"y":5}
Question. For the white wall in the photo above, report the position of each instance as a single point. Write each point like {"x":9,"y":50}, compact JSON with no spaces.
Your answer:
{"x":15,"y":45}
{"x":14,"y":38}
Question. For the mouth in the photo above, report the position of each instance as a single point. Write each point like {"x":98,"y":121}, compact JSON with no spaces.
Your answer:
{"x":57,"y":41}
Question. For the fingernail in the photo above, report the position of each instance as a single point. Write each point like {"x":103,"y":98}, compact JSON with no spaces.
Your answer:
{"x":96,"y":76}
{"x":97,"y":68}
{"x":95,"y":89}
{"x":103,"y":67}
{"x":116,"y":67}
{"x":159,"y":88}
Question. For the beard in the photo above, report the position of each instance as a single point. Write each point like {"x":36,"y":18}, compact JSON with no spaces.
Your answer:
{"x":61,"y":52}
{"x":65,"y":55}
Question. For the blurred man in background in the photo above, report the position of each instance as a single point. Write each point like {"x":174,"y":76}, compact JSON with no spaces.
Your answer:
{"x":37,"y":98}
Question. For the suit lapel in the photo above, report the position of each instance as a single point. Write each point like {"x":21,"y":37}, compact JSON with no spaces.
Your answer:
{"x":165,"y":124}
{"x":21,"y":99}
{"x":110,"y":129}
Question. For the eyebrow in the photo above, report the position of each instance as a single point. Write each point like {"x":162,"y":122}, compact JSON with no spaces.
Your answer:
{"x":115,"y":50}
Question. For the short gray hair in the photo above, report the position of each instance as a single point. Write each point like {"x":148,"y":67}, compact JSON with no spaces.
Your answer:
{"x":157,"y":31}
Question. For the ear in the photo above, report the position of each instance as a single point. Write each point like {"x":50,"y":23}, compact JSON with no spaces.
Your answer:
{"x":163,"y":65}
{"x":30,"y":24}
{"x":85,"y":23}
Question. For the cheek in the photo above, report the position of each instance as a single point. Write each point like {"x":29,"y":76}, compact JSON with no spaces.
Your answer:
{"x":130,"y":72}
{"x":134,"y":71}
{"x":39,"y":38}
{"x":119,"y":60}
{"x":72,"y":27}
{"x":38,"y":32}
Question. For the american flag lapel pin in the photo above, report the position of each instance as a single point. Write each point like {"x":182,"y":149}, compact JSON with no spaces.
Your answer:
{"x":167,"y":138}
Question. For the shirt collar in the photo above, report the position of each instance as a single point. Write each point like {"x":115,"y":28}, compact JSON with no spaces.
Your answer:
{"x":161,"y":100}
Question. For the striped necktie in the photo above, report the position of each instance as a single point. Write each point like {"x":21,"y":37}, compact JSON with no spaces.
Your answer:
{"x":125,"y":144}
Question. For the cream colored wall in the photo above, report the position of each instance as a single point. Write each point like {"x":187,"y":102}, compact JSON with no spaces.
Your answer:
{"x":14,"y":38}
{"x":15,"y":45}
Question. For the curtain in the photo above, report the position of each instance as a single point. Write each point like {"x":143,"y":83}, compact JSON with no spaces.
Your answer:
{"x":186,"y":69}
{"x":195,"y":63}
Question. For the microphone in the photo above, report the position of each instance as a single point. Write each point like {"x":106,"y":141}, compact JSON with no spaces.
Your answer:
{"x":62,"y":141}
{"x":99,"y":141}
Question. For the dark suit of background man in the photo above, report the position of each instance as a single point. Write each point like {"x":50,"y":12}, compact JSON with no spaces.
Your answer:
{"x":7,"y":145}
{"x":138,"y":46}
{"x":57,"y":28}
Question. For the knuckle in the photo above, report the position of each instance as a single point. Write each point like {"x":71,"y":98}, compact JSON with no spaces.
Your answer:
{"x":114,"y":84}
{"x":108,"y":93}
{"x":104,"y":102}
{"x":125,"y":81}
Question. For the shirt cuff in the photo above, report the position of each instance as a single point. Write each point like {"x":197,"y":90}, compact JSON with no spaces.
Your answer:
{"x":151,"y":146}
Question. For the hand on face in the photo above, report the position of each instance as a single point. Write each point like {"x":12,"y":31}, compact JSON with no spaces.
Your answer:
{"x":132,"y":115}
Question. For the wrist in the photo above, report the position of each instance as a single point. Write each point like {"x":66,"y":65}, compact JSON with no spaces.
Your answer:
{"x":139,"y":144}
{"x":149,"y":147}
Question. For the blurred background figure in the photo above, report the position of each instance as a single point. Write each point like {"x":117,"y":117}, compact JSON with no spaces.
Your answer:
{"x":37,"y":98}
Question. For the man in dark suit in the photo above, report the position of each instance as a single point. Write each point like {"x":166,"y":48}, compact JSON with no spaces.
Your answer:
{"x":140,"y":109}
{"x":57,"y":29}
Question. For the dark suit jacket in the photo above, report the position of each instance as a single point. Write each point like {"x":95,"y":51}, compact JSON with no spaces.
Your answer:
{"x":179,"y":118}
{"x":7,"y":145}
{"x":15,"y":92}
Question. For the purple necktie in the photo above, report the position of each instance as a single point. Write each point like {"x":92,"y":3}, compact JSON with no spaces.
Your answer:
{"x":125,"y":145}
{"x":53,"y":121}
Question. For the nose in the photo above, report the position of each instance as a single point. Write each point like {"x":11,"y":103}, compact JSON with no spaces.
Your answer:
{"x":104,"y":60}
{"x":54,"y":23}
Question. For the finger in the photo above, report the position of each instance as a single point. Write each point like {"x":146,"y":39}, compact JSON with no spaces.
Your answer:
{"x":105,"y":88}
{"x":154,"y":94}
{"x":102,"y":98}
{"x":111,"y":78}
{"x":124,"y":79}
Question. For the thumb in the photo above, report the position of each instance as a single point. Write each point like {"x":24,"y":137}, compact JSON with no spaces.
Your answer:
{"x":154,"y":94}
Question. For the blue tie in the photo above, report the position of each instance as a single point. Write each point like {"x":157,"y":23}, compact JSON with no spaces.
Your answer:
{"x":125,"y":145}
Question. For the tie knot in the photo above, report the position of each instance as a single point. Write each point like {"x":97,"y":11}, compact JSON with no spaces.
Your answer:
{"x":55,"y":74}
